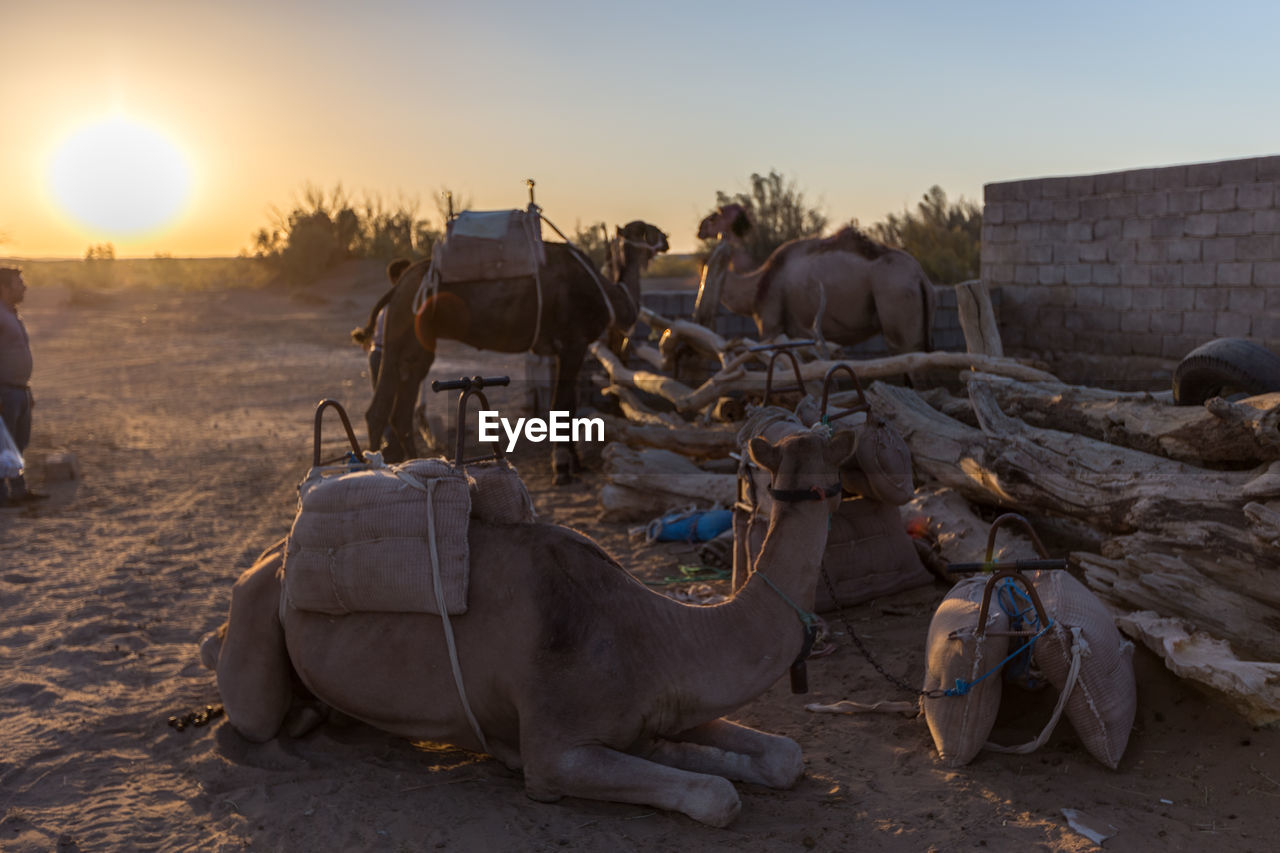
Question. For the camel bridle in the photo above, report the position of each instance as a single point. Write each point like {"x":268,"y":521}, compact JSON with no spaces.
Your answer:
{"x":813,"y":493}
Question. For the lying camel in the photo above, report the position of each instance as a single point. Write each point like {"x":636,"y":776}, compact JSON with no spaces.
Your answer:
{"x":573,"y":671}
{"x":857,"y":286}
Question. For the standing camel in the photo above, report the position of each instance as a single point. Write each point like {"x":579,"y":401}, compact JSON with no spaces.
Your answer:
{"x":858,"y":286}
{"x":572,"y":670}
{"x":502,"y":316}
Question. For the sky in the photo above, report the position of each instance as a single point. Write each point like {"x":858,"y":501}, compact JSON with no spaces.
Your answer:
{"x":176,"y":127}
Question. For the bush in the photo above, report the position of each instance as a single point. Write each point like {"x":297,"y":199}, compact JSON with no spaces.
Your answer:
{"x":325,"y":229}
{"x":945,"y":238}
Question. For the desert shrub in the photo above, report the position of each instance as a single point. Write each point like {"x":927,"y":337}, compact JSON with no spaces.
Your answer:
{"x":324,"y":229}
{"x":778,"y":213}
{"x":945,"y":238}
{"x":673,"y":266}
{"x":594,"y":241}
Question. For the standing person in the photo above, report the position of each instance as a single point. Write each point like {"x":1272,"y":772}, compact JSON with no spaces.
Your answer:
{"x":15,"y":381}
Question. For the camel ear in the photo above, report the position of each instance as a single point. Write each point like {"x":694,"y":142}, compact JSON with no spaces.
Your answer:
{"x":764,"y":454}
{"x":840,"y":448}
{"x":618,"y":230}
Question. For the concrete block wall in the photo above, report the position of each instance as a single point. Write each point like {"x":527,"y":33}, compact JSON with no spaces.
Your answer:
{"x":1148,"y":262}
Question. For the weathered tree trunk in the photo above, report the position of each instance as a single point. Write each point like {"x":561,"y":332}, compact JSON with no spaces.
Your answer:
{"x":640,"y":485}
{"x":978,"y":319}
{"x":944,"y":517}
{"x":1252,"y":687}
{"x":702,"y":442}
{"x":1243,"y":432}
{"x":1010,"y":464}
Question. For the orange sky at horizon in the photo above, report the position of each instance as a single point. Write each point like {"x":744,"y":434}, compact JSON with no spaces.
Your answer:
{"x":618,"y":116}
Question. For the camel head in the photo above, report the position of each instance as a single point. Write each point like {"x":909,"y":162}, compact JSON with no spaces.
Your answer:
{"x":728,"y":219}
{"x":636,"y":236}
{"x":805,"y":462}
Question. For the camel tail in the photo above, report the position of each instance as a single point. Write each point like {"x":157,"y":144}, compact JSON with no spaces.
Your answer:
{"x":364,"y":334}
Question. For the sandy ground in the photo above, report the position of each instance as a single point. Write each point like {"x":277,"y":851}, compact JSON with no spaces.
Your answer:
{"x":191,"y":417}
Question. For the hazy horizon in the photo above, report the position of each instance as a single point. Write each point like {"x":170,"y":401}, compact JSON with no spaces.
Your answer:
{"x":214,"y":115}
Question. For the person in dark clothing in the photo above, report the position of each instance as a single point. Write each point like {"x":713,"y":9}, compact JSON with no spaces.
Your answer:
{"x":16,"y":401}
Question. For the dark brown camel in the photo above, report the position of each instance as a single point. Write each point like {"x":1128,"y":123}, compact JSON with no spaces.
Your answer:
{"x":500,"y":316}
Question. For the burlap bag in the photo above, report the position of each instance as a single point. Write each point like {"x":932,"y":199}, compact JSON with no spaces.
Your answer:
{"x":868,"y":555}
{"x":956,"y":650}
{"x":362,"y":541}
{"x":489,"y":245}
{"x":1102,"y":705}
{"x":498,"y":495}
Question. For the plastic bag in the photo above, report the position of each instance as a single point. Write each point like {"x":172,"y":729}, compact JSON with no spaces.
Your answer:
{"x":10,"y":457}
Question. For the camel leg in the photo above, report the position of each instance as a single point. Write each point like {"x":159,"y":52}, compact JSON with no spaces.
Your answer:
{"x":254,"y":671}
{"x":597,"y":772}
{"x":564,"y":398}
{"x":413,"y":370}
{"x":727,"y":749}
{"x":378,"y":415}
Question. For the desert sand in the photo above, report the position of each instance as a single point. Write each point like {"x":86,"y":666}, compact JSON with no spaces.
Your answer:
{"x":190,"y":414}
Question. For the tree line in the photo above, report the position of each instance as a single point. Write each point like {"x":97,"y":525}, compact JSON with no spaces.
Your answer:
{"x":323,"y":229}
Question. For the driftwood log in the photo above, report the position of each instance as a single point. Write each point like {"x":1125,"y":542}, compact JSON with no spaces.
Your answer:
{"x":702,"y":442}
{"x":978,"y":318}
{"x":643,"y":484}
{"x":735,"y":378}
{"x":946,"y":520}
{"x":1242,"y":432}
{"x":1009,"y":464}
{"x":1253,"y":687}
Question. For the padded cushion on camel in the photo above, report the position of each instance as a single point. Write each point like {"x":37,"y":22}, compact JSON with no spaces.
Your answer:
{"x":881,"y":467}
{"x":869,"y":555}
{"x":1101,"y":708}
{"x":361,"y":541}
{"x":486,"y":245}
{"x":955,"y":650}
{"x":498,"y":495}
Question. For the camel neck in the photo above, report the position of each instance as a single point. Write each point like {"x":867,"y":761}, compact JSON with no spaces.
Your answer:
{"x":751,"y":640}
{"x":741,"y":280}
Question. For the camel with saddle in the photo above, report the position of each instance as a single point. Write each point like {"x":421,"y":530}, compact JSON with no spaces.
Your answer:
{"x":556,"y":661}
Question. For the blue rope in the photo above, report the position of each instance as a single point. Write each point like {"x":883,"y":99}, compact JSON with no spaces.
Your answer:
{"x":963,"y":687}
{"x":1017,"y":605}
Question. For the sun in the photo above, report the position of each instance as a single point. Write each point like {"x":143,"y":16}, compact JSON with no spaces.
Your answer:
{"x":120,"y":177}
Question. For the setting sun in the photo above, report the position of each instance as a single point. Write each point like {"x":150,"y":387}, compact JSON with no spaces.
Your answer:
{"x":120,"y":177}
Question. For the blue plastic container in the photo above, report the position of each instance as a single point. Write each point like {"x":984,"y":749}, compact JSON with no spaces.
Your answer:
{"x":697,"y":526}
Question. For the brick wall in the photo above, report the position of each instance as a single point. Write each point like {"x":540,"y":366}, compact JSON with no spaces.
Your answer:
{"x":1148,"y":262}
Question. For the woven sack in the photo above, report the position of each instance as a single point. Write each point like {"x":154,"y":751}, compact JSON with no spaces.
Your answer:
{"x":498,"y":495}
{"x":1102,"y":705}
{"x":362,"y":541}
{"x":868,"y":555}
{"x":956,"y":650}
{"x":490,"y":245}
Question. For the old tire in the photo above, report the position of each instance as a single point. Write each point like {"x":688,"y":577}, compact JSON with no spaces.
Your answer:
{"x":1225,"y":366}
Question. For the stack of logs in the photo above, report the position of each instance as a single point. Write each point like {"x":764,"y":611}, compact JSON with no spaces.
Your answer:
{"x":1182,"y":502}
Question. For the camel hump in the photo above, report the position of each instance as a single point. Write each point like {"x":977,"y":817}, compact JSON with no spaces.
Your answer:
{"x":852,"y":239}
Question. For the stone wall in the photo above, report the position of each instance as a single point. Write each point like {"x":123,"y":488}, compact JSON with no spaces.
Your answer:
{"x":1148,"y":262}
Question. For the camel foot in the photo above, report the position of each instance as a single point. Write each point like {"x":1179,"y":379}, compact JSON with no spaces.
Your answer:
{"x":562,"y":477}
{"x":211,"y":647}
